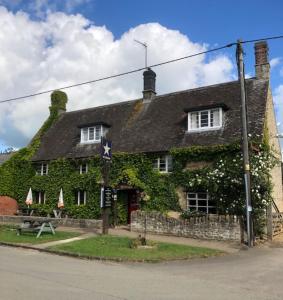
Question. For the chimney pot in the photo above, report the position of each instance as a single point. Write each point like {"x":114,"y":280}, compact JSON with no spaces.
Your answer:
{"x":262,"y":66}
{"x":148,"y":84}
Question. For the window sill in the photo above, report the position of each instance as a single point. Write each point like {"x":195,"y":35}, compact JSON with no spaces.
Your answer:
{"x":203,"y":129}
{"x":91,"y":142}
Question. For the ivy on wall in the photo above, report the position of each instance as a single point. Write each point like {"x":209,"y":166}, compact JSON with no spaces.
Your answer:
{"x":222,"y":178}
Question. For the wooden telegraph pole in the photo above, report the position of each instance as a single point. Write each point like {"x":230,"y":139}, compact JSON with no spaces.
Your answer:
{"x":245,"y":146}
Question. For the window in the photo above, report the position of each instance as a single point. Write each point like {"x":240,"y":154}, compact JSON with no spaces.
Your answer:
{"x":39,"y":197}
{"x":200,"y":202}
{"x":205,"y":119}
{"x":92,"y":134}
{"x":163,"y":164}
{"x":83,"y":168}
{"x":80,"y":197}
{"x":42,"y":169}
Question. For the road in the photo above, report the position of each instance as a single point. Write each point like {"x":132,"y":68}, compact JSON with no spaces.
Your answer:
{"x":253,"y":274}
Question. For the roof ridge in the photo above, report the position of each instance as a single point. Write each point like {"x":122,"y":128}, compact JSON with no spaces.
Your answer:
{"x":164,"y":95}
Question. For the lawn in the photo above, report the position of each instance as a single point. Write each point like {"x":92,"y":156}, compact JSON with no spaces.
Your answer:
{"x":8,"y":234}
{"x":118,"y":248}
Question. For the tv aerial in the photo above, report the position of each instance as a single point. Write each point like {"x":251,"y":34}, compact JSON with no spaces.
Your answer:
{"x":145,"y":50}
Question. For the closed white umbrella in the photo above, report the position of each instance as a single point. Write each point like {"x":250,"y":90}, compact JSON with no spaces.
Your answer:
{"x":29,"y":198}
{"x":60,"y":201}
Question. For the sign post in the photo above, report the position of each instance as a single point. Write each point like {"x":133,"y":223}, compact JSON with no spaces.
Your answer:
{"x":106,"y":191}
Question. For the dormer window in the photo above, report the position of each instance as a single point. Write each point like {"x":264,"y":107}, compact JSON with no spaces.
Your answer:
{"x":205,"y":119}
{"x":92,"y":134}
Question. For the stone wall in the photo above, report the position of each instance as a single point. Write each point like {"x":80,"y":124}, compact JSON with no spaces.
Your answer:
{"x":276,"y":173}
{"x":68,"y":222}
{"x":211,"y":227}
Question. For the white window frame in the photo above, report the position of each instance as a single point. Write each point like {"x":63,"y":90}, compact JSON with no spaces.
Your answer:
{"x":41,"y":172}
{"x":166,"y":157}
{"x":89,"y":140}
{"x":41,"y":197}
{"x":86,"y":168}
{"x":205,"y":128}
{"x":197,"y":199}
{"x":78,"y":192}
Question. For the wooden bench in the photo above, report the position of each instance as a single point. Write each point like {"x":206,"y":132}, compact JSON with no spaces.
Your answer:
{"x":36,"y":226}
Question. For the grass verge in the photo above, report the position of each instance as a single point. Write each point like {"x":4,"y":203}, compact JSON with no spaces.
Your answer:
{"x":118,"y":248}
{"x":8,"y":234}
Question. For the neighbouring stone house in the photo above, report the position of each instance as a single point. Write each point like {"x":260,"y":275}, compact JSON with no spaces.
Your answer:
{"x":167,"y":149}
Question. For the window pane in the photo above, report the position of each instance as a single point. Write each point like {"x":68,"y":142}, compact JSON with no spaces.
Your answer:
{"x":192,"y":202}
{"x":155,"y":164}
{"x":83,"y":168}
{"x":192,"y":208}
{"x":169,"y":163}
{"x":91,"y":133}
{"x":204,"y":119}
{"x":214,"y":118}
{"x":97,"y":133}
{"x":192,"y":195}
{"x":44,"y":169}
{"x":194,"y":120}
{"x":202,"y":209}
{"x":37,"y":197}
{"x":38,"y":169}
{"x":162,"y":164}
{"x":84,"y":134}
{"x":202,"y":203}
{"x":202,"y":195}
{"x":81,"y":197}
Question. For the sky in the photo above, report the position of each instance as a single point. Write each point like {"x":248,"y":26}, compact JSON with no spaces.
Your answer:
{"x":48,"y":44}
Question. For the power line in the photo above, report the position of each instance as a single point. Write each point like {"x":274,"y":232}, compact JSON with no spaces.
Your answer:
{"x":140,"y":69}
{"x":116,"y":75}
{"x":263,"y":39}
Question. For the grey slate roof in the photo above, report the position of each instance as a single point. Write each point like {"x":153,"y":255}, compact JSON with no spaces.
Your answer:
{"x":159,"y":125}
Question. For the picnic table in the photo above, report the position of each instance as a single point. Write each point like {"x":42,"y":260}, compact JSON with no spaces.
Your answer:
{"x":36,"y":225}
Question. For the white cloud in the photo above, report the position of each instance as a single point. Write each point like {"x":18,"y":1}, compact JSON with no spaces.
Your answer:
{"x":66,"y":49}
{"x":275,"y":62}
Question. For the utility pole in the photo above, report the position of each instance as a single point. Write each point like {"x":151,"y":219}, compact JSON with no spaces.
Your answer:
{"x":245,"y":145}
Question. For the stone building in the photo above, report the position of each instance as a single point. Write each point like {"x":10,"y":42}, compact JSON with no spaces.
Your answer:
{"x":154,"y":125}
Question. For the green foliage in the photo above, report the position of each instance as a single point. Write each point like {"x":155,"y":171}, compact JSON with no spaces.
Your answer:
{"x":222,"y":178}
{"x":8,"y":234}
{"x":111,"y":247}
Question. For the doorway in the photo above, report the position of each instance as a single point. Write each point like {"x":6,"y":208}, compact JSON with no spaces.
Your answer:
{"x":127,"y":203}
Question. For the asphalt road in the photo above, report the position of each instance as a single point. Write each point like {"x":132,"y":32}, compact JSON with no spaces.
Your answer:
{"x":254,"y":274}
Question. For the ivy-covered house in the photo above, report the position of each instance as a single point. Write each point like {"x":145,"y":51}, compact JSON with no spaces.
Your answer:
{"x":175,"y":152}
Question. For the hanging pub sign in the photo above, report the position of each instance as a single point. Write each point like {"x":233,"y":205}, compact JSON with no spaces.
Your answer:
{"x":106,"y":149}
{"x":106,"y":197}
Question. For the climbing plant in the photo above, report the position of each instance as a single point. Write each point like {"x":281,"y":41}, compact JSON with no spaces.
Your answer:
{"x":220,"y":174}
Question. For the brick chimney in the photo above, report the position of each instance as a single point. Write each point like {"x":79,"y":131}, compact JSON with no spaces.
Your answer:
{"x":262,"y":66}
{"x":148,"y":85}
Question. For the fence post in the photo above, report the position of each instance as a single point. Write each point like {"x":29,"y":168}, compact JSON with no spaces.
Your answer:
{"x":269,"y":225}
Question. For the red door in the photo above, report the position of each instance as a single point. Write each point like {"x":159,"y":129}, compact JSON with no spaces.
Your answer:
{"x":132,"y":203}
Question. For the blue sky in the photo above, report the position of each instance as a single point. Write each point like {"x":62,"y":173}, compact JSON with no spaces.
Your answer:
{"x":187,"y":27}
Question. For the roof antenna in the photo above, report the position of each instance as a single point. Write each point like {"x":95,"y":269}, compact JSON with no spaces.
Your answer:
{"x":145,"y":48}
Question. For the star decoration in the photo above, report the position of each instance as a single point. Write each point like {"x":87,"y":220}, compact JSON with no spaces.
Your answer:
{"x":106,"y":149}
